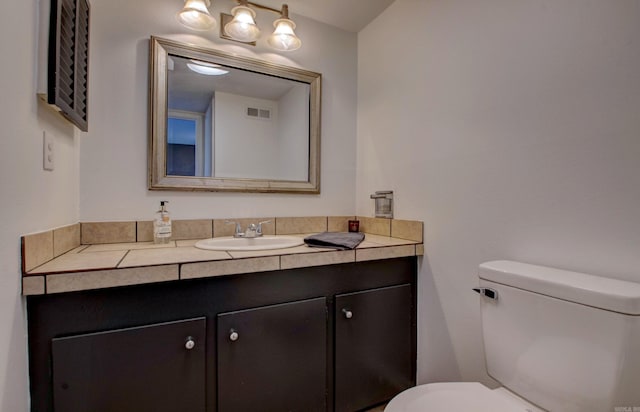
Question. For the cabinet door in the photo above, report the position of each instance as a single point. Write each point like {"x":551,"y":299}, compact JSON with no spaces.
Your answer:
{"x":273,"y":358}
{"x":374,"y":346}
{"x":155,"y":368}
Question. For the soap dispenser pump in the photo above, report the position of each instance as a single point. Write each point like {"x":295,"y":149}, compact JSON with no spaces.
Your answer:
{"x":162,"y":225}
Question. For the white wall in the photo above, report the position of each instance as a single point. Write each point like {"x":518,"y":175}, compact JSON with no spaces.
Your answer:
{"x":113,"y":183}
{"x":292,"y":119}
{"x":512,"y":129}
{"x":32,"y":199}
{"x":244,"y":146}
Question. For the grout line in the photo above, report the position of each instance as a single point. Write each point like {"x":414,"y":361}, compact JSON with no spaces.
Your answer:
{"x":120,"y":261}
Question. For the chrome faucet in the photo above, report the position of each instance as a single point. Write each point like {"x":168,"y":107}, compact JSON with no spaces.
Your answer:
{"x":253,"y":230}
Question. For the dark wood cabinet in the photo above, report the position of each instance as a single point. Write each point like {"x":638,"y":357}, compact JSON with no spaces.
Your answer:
{"x":150,"y":368}
{"x":374,"y":346}
{"x":273,"y":358}
{"x":294,"y":348}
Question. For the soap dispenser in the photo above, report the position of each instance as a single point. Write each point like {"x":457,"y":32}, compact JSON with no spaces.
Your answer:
{"x":162,"y":225}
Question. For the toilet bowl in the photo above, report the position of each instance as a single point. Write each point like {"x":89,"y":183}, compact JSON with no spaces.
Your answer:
{"x":458,"y":396}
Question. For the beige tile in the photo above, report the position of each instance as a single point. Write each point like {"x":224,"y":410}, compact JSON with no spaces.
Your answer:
{"x":78,"y":249}
{"x":420,"y":250}
{"x":385,"y":252}
{"x":339,"y":223}
{"x":378,"y":241}
{"x":108,"y":232}
{"x":291,"y":225}
{"x":69,"y":282}
{"x":375,"y":225}
{"x":186,"y":243}
{"x":274,"y":252}
{"x":127,"y":246}
{"x":36,"y":250}
{"x":74,"y":261}
{"x":221,"y":228}
{"x":229,"y":267}
{"x":191,"y":229}
{"x":366,"y":244}
{"x":317,"y":259}
{"x":407,"y":229}
{"x":144,"y":231}
{"x":150,"y":257}
{"x":65,"y":239}
{"x":33,"y":285}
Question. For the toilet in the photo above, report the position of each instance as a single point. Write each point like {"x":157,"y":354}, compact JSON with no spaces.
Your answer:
{"x":555,"y":340}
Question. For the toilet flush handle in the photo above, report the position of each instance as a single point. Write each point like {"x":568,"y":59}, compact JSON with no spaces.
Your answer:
{"x":487,"y":292}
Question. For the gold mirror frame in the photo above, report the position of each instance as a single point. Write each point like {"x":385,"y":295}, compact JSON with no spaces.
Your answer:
{"x":159,"y":50}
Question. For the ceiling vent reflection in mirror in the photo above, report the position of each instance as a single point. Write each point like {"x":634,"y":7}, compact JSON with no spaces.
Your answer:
{"x":259,"y":113}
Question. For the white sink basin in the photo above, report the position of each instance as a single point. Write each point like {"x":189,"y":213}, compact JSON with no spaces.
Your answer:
{"x":256,"y":243}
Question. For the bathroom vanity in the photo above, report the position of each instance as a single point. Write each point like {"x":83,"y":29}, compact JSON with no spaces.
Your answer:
{"x":325,"y":338}
{"x":117,"y":323}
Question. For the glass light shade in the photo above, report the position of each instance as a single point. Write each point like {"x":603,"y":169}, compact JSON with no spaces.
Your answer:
{"x":195,"y":15}
{"x":206,"y":68}
{"x":283,"y":37}
{"x":243,"y":26}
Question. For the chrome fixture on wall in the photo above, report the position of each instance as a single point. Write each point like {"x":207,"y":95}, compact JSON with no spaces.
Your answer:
{"x":384,"y":203}
{"x":240,"y":25}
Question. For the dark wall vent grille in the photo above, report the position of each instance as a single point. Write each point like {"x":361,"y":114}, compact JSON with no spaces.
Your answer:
{"x":68,"y":71}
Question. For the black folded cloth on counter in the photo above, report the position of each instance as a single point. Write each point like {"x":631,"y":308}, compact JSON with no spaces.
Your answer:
{"x":335,"y":240}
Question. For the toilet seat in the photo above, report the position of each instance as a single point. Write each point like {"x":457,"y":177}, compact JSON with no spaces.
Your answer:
{"x":456,"y":396}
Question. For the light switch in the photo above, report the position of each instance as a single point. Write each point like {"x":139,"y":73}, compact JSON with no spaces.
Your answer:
{"x":48,"y":150}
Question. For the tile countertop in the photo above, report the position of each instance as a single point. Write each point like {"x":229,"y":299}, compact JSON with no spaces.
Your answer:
{"x":120,"y":264}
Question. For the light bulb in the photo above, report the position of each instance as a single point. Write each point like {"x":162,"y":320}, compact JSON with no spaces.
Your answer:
{"x":195,"y":15}
{"x":283,"y":37}
{"x":243,"y":26}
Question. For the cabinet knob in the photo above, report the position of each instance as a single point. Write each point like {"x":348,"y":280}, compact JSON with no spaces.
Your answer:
{"x":233,"y":336}
{"x":190,"y":343}
{"x":347,"y":313}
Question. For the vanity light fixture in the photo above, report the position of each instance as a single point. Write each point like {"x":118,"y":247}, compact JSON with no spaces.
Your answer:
{"x":243,"y":27}
{"x":208,"y":69}
{"x":195,"y":15}
{"x":241,"y":24}
{"x":283,"y":37}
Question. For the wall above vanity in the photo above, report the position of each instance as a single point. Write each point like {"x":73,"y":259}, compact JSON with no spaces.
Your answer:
{"x":119,"y":117}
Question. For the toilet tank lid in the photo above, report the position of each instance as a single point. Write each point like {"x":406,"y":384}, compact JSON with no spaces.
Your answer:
{"x":597,"y":291}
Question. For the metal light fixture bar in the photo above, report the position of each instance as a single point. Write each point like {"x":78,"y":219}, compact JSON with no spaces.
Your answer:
{"x":261,"y":7}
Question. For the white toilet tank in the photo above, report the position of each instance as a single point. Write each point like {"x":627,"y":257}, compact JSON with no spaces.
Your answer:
{"x":565,"y":341}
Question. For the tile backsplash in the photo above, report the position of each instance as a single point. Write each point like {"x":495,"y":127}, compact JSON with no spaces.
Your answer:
{"x":40,"y":248}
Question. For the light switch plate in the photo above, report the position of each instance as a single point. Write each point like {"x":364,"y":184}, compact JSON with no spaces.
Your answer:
{"x":48,"y":147}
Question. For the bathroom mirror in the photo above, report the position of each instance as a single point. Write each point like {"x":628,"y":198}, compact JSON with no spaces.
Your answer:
{"x":222,"y":122}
